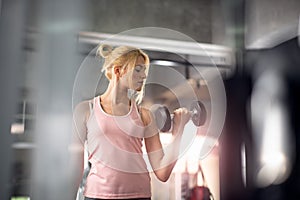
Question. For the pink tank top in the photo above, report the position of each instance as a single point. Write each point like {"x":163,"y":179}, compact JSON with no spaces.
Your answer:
{"x":115,"y":151}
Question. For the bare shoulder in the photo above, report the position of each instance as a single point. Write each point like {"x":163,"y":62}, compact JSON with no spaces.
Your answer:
{"x":82,"y":110}
{"x":145,"y":115}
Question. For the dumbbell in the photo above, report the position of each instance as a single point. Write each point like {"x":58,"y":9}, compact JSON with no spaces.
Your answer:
{"x":164,"y":119}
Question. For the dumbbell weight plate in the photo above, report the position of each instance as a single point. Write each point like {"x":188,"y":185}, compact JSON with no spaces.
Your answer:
{"x":199,"y":113}
{"x":162,"y":118}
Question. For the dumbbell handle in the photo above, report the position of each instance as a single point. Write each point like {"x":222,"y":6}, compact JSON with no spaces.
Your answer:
{"x":172,"y":117}
{"x":191,"y":113}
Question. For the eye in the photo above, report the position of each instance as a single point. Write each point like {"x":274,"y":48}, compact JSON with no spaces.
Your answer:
{"x":139,"y":68}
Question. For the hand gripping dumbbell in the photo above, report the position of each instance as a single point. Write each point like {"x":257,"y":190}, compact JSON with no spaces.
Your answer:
{"x":164,"y":119}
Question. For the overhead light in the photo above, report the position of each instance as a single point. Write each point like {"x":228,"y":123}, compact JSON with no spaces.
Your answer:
{"x":166,"y":63}
{"x":207,"y":53}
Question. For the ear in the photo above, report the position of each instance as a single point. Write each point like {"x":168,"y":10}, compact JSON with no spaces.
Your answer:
{"x":117,"y":71}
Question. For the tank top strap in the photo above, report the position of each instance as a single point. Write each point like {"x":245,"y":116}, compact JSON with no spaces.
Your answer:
{"x":91,"y":108}
{"x":91,"y":104}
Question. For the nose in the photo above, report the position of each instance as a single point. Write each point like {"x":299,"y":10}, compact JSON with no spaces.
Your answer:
{"x":143,"y":75}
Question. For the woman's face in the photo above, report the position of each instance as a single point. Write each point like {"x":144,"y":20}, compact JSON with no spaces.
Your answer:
{"x":137,"y":75}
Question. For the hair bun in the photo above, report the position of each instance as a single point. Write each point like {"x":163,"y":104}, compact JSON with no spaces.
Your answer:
{"x":104,"y":50}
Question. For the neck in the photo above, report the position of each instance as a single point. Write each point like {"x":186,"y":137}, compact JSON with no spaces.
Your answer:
{"x":116,"y":94}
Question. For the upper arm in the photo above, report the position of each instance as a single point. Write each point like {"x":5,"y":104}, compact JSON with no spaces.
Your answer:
{"x":152,"y":140}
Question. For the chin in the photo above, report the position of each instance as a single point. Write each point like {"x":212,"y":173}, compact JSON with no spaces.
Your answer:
{"x":138,"y":89}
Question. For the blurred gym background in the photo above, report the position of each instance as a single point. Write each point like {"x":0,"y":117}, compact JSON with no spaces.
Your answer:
{"x":253,"y":44}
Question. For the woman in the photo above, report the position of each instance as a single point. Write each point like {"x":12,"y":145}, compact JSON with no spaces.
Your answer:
{"x":114,"y":126}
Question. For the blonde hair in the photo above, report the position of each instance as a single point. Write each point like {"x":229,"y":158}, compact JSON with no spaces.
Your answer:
{"x":123,"y":56}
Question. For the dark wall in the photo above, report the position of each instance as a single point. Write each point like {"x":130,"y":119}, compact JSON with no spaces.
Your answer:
{"x":191,"y":17}
{"x":270,"y":20}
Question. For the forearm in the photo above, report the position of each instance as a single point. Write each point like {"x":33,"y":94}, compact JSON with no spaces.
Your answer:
{"x":76,"y":171}
{"x":164,"y":160}
{"x":170,"y":152}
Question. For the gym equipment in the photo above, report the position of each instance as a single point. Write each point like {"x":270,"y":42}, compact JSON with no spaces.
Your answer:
{"x":164,"y":119}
